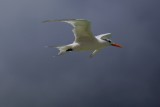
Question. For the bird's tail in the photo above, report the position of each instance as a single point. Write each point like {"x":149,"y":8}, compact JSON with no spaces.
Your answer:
{"x":62,"y":49}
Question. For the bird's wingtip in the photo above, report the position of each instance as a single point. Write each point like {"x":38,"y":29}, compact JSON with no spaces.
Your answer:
{"x":50,"y":46}
{"x":63,"y":20}
{"x":46,"y":21}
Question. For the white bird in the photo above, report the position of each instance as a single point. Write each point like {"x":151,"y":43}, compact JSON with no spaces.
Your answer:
{"x":84,"y":39}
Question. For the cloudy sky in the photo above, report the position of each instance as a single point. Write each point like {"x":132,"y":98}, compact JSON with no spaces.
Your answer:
{"x":127,"y":77}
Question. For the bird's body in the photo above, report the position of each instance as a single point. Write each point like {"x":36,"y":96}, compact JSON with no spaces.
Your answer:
{"x":84,"y":39}
{"x":87,"y":46}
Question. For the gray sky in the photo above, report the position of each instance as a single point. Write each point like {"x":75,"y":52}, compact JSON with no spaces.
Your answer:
{"x":127,"y":77}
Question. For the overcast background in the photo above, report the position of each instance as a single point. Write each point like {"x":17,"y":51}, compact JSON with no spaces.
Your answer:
{"x":126,"y":77}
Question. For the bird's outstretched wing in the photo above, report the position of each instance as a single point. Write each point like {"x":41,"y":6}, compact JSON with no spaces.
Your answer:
{"x":81,"y":30}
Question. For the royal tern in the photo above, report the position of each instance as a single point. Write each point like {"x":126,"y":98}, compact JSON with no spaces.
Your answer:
{"x":84,"y":39}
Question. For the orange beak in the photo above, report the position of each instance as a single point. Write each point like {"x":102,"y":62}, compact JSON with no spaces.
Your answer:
{"x":116,"y":45}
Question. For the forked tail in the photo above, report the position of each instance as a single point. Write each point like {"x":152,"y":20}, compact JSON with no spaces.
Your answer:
{"x":62,"y":49}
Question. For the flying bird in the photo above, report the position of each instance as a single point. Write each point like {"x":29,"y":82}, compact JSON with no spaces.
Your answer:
{"x":84,"y":40}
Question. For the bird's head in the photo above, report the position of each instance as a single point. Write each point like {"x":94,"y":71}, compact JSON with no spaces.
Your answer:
{"x":110,"y":43}
{"x":106,"y":37}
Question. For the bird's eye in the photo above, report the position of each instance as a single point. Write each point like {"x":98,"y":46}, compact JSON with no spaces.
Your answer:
{"x":108,"y":40}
